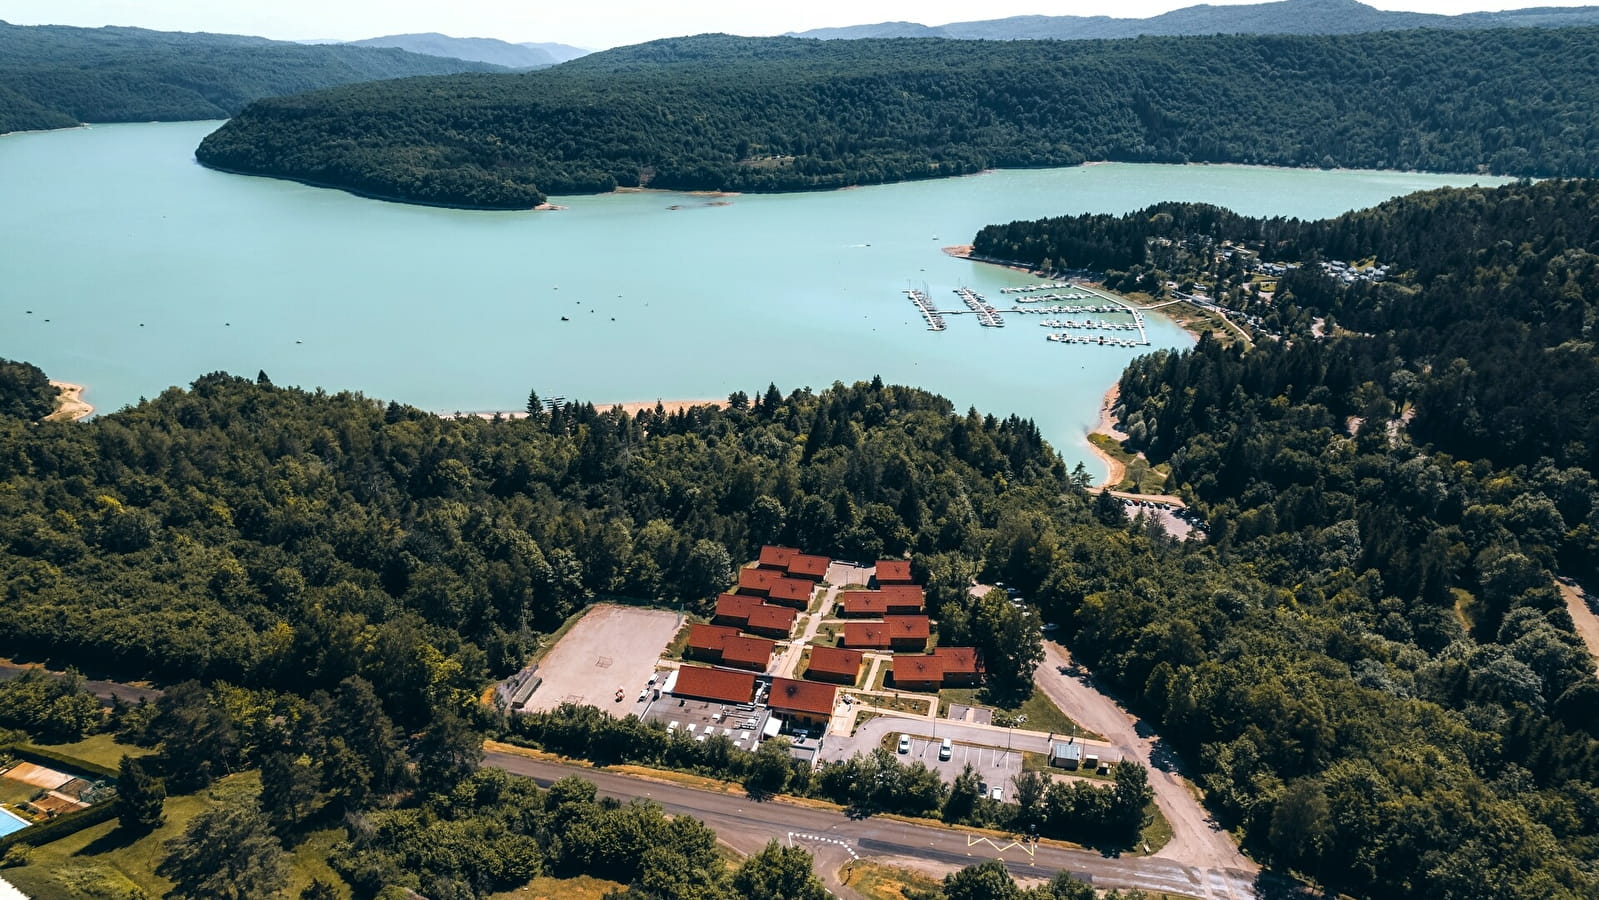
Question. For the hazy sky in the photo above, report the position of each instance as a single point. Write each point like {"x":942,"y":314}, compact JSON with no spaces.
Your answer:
{"x":589,"y":23}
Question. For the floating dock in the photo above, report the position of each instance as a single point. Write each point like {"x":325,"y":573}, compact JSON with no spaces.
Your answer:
{"x":935,"y":321}
{"x":986,"y":315}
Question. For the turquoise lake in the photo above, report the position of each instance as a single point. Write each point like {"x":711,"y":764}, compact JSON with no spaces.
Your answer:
{"x":143,"y":270}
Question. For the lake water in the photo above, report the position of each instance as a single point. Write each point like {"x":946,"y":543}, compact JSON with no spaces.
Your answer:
{"x":144,"y":270}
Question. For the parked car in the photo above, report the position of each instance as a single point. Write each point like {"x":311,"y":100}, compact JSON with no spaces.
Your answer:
{"x":945,"y":749}
{"x":997,"y":794}
{"x":904,"y":743}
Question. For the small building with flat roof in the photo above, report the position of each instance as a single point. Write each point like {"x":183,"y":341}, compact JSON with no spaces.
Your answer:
{"x":1066,"y":754}
{"x":834,"y":664}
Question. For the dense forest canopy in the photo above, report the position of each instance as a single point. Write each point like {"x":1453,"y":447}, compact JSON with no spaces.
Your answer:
{"x":54,"y":76}
{"x":762,"y":114}
{"x":1409,"y":473}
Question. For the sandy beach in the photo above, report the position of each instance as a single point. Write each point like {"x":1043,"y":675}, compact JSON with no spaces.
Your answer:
{"x":1107,"y":426}
{"x":71,"y":407}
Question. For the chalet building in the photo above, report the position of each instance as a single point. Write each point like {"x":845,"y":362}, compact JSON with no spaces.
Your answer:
{"x":795,"y":592}
{"x":705,"y":641}
{"x":803,"y":703}
{"x":962,"y":668}
{"x":866,"y":635}
{"x":876,"y":604}
{"x":723,"y":644}
{"x":908,"y":632}
{"x":734,"y":609}
{"x":776,"y":558}
{"x":748,"y":613}
{"x":757,"y":581}
{"x":716,"y":685}
{"x":917,"y":672}
{"x":810,"y":568}
{"x":892,"y":571}
{"x":771,"y":621}
{"x":944,"y":667}
{"x":834,"y":664}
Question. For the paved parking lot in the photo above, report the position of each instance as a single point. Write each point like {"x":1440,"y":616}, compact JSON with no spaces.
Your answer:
{"x":741,"y":724}
{"x":994,"y":765}
{"x":610,"y":647}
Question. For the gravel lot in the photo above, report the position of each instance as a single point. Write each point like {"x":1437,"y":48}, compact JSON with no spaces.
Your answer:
{"x":610,"y":647}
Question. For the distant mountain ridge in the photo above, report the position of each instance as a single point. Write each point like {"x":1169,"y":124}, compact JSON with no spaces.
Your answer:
{"x":55,"y":76}
{"x":529,"y":55}
{"x":1283,"y":17}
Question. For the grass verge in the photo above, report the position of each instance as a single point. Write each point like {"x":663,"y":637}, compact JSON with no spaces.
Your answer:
{"x":876,"y":881}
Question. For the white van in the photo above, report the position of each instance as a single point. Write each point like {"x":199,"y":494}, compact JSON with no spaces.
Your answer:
{"x":945,"y":749}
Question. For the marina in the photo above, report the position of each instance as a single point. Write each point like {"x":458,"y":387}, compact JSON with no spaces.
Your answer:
{"x":989,"y":316}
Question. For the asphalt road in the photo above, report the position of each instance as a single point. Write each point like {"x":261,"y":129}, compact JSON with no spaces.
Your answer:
{"x":747,"y":825}
{"x":105,"y":690}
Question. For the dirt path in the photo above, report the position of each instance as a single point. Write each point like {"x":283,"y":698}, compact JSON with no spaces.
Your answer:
{"x":1587,"y":624}
{"x":1196,"y":838}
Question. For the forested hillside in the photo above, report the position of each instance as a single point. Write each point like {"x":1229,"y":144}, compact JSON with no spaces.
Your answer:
{"x":310,"y":554}
{"x":1416,"y":478}
{"x":1283,"y":17}
{"x":55,"y":77}
{"x":762,"y":114}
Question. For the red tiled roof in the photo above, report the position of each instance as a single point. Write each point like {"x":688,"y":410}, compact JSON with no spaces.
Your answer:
{"x":736,"y":606}
{"x":789,"y":695}
{"x":808,"y":566}
{"x":958,"y":660}
{"x":865,"y":634}
{"x":865,"y":603}
{"x":715,"y":684}
{"x":776,"y":557}
{"x":794,"y":589}
{"x":751,"y":652}
{"x":833,"y":661}
{"x":758,"y":580}
{"x":775,"y":618}
{"x":903,"y":593}
{"x":904,"y":627}
{"x":912,"y":667}
{"x":709,"y":637}
{"x":893,"y":571}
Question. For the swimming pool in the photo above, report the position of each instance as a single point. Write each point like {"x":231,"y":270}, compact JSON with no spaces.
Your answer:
{"x":10,"y":821}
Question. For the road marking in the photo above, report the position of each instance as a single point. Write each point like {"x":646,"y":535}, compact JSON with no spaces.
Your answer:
{"x":973,"y":840}
{"x":825,"y":840}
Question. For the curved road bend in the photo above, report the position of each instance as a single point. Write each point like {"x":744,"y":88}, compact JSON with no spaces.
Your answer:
{"x":1196,"y":837}
{"x":747,"y":825}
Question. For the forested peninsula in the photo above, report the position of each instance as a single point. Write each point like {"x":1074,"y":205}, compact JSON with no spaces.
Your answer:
{"x":715,"y":112}
{"x":1408,"y":456}
{"x":54,"y":76}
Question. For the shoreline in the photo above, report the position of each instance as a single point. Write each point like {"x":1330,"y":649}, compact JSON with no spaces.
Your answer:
{"x":1116,"y":469}
{"x":631,"y":407}
{"x":70,"y":405}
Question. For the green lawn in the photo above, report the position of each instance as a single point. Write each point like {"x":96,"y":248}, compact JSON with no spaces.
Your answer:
{"x":1041,"y":712}
{"x":14,"y":792}
{"x":582,"y":887}
{"x":101,"y":749}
